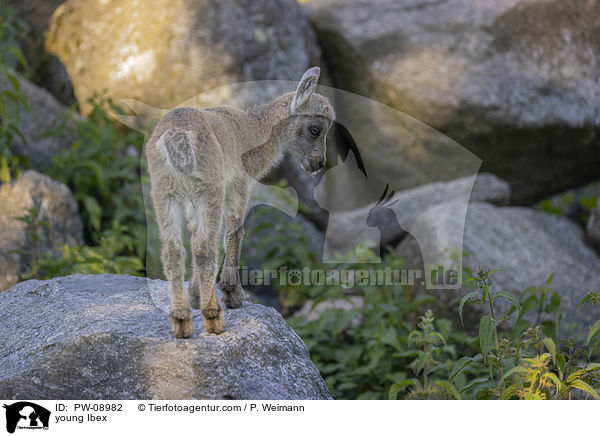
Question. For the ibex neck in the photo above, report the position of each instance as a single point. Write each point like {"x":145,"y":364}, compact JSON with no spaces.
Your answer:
{"x":272,"y":121}
{"x":271,"y":115}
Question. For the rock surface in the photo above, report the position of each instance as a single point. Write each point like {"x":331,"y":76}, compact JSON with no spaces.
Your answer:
{"x":527,"y":246}
{"x":163,"y":52}
{"x":503,"y":78}
{"x":37,"y":13}
{"x":107,"y":337}
{"x":46,"y":114}
{"x":56,"y":207}
{"x":313,"y":311}
{"x":593,"y":226}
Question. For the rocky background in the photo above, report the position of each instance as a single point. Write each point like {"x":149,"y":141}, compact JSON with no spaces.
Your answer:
{"x":515,"y":82}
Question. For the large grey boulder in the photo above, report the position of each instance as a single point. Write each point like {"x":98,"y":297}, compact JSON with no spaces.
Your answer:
{"x":47,"y":71}
{"x":526,"y":245}
{"x":163,"y":52}
{"x":46,"y":125}
{"x":107,"y":337}
{"x":56,"y":208}
{"x":504,"y":78}
{"x":36,"y":13}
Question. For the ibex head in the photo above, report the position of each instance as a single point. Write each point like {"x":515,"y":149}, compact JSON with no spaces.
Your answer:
{"x":311,"y":117}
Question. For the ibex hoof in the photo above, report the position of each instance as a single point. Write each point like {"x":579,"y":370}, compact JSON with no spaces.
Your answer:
{"x":214,"y":321}
{"x":182,"y":328}
{"x":233,"y":296}
{"x":233,"y":300}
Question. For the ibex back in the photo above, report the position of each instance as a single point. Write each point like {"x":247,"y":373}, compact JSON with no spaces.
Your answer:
{"x":202,"y":164}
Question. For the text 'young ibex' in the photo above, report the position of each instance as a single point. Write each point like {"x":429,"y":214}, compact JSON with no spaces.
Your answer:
{"x":202,"y":163}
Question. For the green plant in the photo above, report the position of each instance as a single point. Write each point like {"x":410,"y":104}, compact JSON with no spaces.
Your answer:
{"x":493,"y":350}
{"x":593,"y":337}
{"x":431,"y":344}
{"x":12,"y":98}
{"x":34,"y":227}
{"x":551,"y":375}
{"x":45,"y":263}
{"x":105,"y":258}
{"x":535,"y":367}
{"x":558,"y":206}
{"x":102,"y":168}
{"x":545,"y":303}
{"x":579,"y":205}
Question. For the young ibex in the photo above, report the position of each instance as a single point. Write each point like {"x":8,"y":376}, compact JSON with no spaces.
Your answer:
{"x":202,"y":164}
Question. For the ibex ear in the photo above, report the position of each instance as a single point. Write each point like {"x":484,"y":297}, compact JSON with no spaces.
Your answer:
{"x":306,"y":87}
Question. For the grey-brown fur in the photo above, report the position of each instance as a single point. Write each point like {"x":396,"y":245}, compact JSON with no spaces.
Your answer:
{"x":202,"y":164}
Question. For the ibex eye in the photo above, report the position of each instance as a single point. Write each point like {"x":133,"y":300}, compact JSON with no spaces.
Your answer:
{"x":314,"y":130}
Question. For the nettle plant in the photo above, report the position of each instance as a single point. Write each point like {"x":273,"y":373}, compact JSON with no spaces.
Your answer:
{"x":431,"y":345}
{"x":530,"y":366}
{"x":494,"y":350}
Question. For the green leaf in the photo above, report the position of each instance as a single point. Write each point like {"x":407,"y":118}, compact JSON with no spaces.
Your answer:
{"x":470,"y":296}
{"x":583,"y":386}
{"x":462,"y":364}
{"x":415,"y":337}
{"x":473,"y":383}
{"x":560,"y":360}
{"x":396,"y":377}
{"x":94,"y":211}
{"x":422,"y":360}
{"x":449,"y":387}
{"x":595,"y":328}
{"x":512,"y":299}
{"x":550,"y":346}
{"x":484,"y":394}
{"x":390,"y":337}
{"x":485,"y":295}
{"x":555,"y":379}
{"x":397,"y":387}
{"x":4,"y":170}
{"x":529,"y":303}
{"x":342,"y":320}
{"x":437,"y":335}
{"x":515,"y":370}
{"x":13,"y":79}
{"x":590,"y":368}
{"x":487,"y":327}
{"x":509,"y":392}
